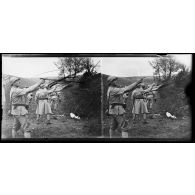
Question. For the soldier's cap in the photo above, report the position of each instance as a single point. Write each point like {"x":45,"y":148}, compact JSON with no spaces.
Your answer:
{"x":110,"y":79}
{"x":13,"y":80}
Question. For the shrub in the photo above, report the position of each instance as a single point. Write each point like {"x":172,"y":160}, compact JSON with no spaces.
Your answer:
{"x":84,"y":99}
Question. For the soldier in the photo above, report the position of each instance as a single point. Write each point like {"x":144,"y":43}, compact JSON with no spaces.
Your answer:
{"x":18,"y":105}
{"x":54,"y":101}
{"x":43,"y":104}
{"x":116,"y":108}
{"x":151,"y":96}
{"x":140,"y":102}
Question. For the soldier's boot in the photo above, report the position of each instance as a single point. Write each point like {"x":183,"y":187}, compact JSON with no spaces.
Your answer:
{"x":48,"y":122}
{"x":145,"y":120}
{"x":14,"y":133}
{"x":27,"y":134}
{"x":124,"y":134}
{"x":110,"y":133}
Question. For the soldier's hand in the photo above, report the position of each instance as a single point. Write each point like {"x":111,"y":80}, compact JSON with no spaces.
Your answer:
{"x":42,"y":80}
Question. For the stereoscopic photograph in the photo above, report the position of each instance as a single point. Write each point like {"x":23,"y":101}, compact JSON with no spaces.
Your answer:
{"x":124,"y":97}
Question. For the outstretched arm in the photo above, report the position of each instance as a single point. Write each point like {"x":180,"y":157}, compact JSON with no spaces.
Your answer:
{"x":34,"y":87}
{"x":132,"y":86}
{"x":51,"y":90}
{"x":150,"y":88}
{"x":157,"y":87}
{"x":118,"y":91}
{"x":66,"y":86}
{"x":21,"y":92}
{"x":69,"y":85}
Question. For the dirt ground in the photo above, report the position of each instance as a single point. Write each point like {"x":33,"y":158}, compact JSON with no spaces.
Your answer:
{"x":65,"y":127}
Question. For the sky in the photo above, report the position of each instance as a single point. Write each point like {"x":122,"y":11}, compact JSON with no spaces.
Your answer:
{"x":120,"y":66}
{"x":31,"y":67}
{"x":28,"y":67}
{"x":134,"y":66}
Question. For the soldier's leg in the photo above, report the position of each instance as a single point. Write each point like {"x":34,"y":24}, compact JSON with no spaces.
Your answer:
{"x":145,"y":118}
{"x":145,"y":112}
{"x":135,"y":118}
{"x":121,"y":126}
{"x":112,"y":125}
{"x":48,"y":119}
{"x":38,"y":118}
{"x":27,"y":123}
{"x":25,"y":126}
{"x":138,"y":117}
{"x":16,"y":126}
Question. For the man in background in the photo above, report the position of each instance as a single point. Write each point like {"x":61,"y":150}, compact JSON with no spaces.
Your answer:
{"x":54,"y":101}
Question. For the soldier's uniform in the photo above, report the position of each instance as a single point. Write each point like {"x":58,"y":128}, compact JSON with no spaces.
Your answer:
{"x":116,"y":108}
{"x":43,"y":106}
{"x":18,"y":106}
{"x":140,"y":102}
{"x":54,"y":101}
{"x":19,"y":111}
{"x":152,"y":96}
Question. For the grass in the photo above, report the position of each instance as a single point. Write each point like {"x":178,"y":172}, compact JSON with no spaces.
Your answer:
{"x":158,"y":129}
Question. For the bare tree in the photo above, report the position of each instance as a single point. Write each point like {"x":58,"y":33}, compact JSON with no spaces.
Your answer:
{"x":89,"y":66}
{"x":165,"y":67}
{"x":72,"y":66}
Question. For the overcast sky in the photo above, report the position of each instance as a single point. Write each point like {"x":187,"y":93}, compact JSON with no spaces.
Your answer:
{"x":126,"y":67}
{"x":37,"y":67}
{"x":31,"y":67}
{"x":28,"y":67}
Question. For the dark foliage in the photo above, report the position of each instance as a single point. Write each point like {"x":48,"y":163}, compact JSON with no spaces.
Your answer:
{"x":173,"y":97}
{"x":84,"y":98}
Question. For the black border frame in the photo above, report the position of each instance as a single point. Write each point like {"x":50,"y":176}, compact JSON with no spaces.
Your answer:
{"x":189,"y":93}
